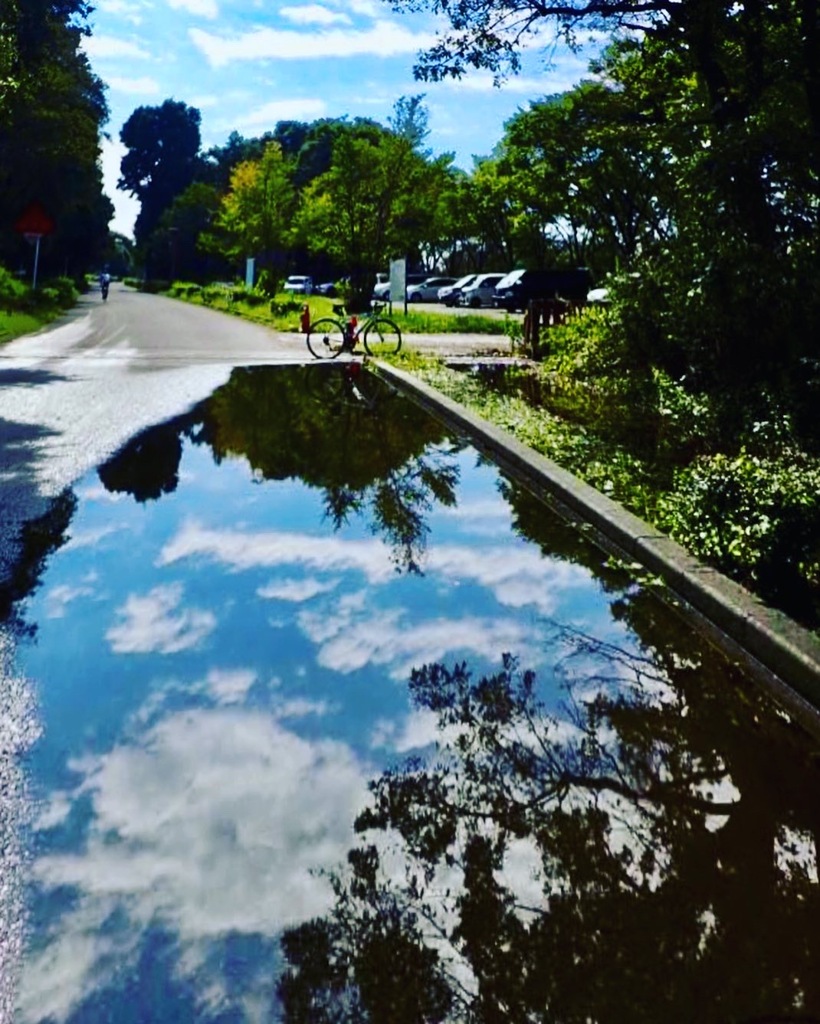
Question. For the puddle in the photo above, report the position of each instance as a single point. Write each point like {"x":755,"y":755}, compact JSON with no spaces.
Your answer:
{"x":230,"y":641}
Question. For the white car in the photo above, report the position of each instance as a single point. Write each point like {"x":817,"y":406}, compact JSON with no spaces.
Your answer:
{"x":382,"y":290}
{"x":298,"y":283}
{"x":480,"y":292}
{"x":428,"y":290}
{"x":450,"y":293}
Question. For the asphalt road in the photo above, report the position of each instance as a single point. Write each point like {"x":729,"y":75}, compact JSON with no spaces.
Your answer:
{"x":71,"y":395}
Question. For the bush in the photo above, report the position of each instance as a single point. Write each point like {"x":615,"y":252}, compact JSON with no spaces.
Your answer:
{"x":13,"y":293}
{"x":756,"y":518}
{"x":63,"y":292}
{"x":185,"y":289}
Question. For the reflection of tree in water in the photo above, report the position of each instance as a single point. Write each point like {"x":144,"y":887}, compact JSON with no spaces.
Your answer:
{"x":648,"y":854}
{"x":334,"y":427}
{"x":39,"y":538}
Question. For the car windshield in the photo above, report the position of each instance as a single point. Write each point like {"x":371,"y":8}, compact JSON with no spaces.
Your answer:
{"x":464,"y":281}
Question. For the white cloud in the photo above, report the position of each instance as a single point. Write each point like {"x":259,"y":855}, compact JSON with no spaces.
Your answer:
{"x":127,"y":9}
{"x":213,"y":823}
{"x":202,"y":8}
{"x":102,"y":47}
{"x":383,"y":39}
{"x":297,"y":109}
{"x":313,"y":14}
{"x":482,"y":81}
{"x":126,"y":207}
{"x":152,"y":624}
{"x":134,"y":86}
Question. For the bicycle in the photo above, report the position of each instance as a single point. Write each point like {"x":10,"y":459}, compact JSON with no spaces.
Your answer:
{"x":329,"y":336}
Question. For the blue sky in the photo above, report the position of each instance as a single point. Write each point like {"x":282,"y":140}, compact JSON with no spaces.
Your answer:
{"x":246,"y":64}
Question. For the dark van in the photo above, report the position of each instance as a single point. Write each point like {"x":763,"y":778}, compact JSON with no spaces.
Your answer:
{"x":515,"y":290}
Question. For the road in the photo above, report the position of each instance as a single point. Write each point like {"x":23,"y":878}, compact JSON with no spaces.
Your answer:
{"x":71,"y":395}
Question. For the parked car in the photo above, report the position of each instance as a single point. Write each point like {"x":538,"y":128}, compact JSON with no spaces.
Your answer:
{"x":449,"y":295}
{"x":298,"y":283}
{"x":516,"y":290}
{"x":382,"y":291}
{"x":329,"y":288}
{"x":428,"y":290}
{"x":480,"y":292}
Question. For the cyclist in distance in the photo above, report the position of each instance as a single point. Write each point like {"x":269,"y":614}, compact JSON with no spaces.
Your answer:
{"x":105,"y":281}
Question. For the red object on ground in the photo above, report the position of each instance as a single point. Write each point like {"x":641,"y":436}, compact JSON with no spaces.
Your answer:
{"x":304,"y":319}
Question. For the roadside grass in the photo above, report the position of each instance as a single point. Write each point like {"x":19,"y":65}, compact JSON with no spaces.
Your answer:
{"x":15,"y":325}
{"x":283,"y":312}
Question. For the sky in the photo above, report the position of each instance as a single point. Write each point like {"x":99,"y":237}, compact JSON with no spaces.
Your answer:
{"x":247,"y":64}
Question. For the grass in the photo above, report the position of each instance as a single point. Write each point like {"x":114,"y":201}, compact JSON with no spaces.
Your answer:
{"x":283,"y":312}
{"x":14,"y":325}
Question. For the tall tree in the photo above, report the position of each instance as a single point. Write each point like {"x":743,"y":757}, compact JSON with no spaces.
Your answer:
{"x":256,"y":214}
{"x":370,"y":205}
{"x":162,"y":159}
{"x":52,"y":108}
{"x":752,"y":215}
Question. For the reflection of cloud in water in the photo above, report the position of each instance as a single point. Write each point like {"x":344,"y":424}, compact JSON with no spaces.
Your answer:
{"x":354,"y":638}
{"x":58,"y":598}
{"x":251,"y":550}
{"x":210,"y":826}
{"x":518,"y":575}
{"x":152,"y":624}
{"x":481,"y":517}
{"x":295,"y":590}
{"x":229,"y":686}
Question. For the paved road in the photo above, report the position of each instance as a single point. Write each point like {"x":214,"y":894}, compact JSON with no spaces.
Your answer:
{"x":71,"y":395}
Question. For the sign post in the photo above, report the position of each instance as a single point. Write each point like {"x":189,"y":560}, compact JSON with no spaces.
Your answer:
{"x":34,"y":239}
{"x":32,"y":225}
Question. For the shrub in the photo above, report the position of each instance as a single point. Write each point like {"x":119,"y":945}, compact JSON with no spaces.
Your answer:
{"x":12,"y":291}
{"x":756,"y":518}
{"x":185,"y":289}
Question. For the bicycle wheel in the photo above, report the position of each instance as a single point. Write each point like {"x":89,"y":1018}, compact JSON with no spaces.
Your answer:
{"x":326,"y":338}
{"x":381,"y":337}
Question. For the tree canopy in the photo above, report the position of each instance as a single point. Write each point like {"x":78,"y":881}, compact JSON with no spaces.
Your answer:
{"x":162,"y":159}
{"x":52,"y":109}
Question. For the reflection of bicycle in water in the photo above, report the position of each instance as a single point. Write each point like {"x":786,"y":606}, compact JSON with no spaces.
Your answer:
{"x":328,"y":337}
{"x":349,"y":386}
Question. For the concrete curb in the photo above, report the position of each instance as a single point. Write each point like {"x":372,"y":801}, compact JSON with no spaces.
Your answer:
{"x":771,"y":643}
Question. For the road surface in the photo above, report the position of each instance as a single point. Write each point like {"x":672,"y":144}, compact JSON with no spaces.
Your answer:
{"x":71,"y":395}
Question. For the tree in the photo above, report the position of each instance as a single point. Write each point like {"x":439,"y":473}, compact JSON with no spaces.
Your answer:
{"x":52,"y":107}
{"x":371,"y":205}
{"x":410,"y":120}
{"x":589,"y":177}
{"x":256,"y":214}
{"x":747,"y":219}
{"x":162,"y":159}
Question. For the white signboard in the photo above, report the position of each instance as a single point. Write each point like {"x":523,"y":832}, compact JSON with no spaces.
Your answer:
{"x":398,"y":280}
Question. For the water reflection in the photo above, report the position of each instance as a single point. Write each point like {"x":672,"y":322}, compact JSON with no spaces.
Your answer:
{"x":647,"y":854}
{"x":222,"y":668}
